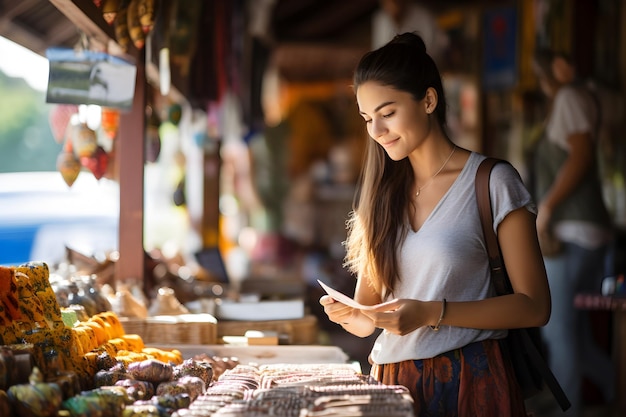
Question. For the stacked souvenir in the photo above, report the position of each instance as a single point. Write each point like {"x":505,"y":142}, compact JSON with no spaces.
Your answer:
{"x":62,"y":361}
{"x":299,"y":390}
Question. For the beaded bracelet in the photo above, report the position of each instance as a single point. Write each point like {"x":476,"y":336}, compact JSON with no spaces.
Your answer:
{"x":435,"y":328}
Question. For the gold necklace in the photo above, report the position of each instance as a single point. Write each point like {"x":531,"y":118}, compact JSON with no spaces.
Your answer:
{"x":419,"y":189}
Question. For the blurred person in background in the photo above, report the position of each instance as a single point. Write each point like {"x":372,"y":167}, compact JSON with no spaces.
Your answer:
{"x":573,"y":224}
{"x":399,"y":16}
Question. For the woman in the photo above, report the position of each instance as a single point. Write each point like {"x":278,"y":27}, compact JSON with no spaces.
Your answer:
{"x":571,"y":212}
{"x":415,"y":240}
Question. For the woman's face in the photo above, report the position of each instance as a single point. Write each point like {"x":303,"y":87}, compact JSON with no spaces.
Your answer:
{"x":563,"y":71}
{"x":394,"y":119}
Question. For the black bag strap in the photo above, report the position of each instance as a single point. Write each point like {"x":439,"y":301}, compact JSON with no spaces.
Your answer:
{"x":500,"y":278}
{"x":498,"y":271}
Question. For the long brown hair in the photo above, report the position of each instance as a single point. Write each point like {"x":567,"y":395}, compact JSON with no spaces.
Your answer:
{"x":378,"y":221}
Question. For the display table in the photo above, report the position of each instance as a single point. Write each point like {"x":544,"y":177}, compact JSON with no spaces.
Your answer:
{"x":262,"y":355}
{"x":184,"y":329}
{"x":302,"y":331}
{"x":617,"y":306}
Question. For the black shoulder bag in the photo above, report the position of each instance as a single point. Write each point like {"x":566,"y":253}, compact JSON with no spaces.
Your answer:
{"x":523,"y":346}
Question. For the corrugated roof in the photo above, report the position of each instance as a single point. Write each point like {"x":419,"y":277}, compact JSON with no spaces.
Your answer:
{"x":36,"y":25}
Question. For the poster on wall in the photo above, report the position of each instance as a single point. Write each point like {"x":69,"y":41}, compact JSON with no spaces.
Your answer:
{"x":500,"y":52}
{"x":86,"y":77}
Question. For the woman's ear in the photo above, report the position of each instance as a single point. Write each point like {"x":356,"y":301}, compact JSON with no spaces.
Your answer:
{"x":430,"y":100}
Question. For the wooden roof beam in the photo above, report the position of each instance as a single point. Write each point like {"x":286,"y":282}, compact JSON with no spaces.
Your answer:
{"x":88,"y":19}
{"x":23,"y":36}
{"x":10,"y":10}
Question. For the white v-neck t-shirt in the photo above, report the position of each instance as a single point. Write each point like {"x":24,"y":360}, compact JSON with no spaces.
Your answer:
{"x":447,"y":258}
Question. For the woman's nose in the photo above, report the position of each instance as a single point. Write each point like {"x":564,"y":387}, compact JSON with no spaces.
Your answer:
{"x":377,"y":129}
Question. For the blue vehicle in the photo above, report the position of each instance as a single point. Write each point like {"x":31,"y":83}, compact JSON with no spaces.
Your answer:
{"x":40,"y":216}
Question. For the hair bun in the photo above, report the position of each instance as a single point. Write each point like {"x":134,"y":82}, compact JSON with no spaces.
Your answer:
{"x":411,"y":39}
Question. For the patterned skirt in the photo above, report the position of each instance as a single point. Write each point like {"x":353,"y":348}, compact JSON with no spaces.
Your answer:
{"x":471,"y":381}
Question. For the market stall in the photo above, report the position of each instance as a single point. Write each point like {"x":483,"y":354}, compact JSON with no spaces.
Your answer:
{"x":63,"y":352}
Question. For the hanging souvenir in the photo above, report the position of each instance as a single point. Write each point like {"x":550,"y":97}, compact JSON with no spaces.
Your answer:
{"x":135,"y":31}
{"x":165,"y":74}
{"x":110,"y":121}
{"x":67,"y":143}
{"x":153,"y":139}
{"x":146,"y":10}
{"x":174,"y":113}
{"x":200,"y":138}
{"x":97,"y":163}
{"x":200,"y":126}
{"x":109,"y":10}
{"x":84,"y":140}
{"x":69,"y":166}
{"x":121,"y":29}
{"x":59,"y":118}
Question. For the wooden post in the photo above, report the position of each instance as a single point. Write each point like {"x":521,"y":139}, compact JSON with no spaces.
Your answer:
{"x":211,"y":190}
{"x":129,"y":147}
{"x":130,"y":164}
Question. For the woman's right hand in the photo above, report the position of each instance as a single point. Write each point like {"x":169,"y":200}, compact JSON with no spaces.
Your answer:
{"x":351,"y":319}
{"x":337,"y":312}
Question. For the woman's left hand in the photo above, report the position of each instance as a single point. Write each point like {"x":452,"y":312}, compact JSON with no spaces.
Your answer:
{"x":399,"y":316}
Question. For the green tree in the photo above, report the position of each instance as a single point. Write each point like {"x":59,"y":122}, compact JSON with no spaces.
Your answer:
{"x":26,"y":140}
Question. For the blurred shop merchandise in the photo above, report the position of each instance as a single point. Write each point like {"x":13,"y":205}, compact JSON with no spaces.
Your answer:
{"x":608,"y":286}
{"x":614,"y":286}
{"x":166,"y":303}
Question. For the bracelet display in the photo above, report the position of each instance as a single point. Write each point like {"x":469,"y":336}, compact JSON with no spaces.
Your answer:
{"x":435,"y":328}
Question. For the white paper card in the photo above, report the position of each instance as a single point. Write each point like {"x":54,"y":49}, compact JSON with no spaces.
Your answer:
{"x":342,"y":298}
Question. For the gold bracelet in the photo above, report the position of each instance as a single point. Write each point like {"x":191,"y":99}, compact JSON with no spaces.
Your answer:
{"x":435,"y":328}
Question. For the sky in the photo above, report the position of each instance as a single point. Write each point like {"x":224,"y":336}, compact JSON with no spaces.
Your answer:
{"x":17,"y":61}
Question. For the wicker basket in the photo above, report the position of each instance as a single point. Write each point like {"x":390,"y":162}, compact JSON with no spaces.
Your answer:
{"x":302,"y":331}
{"x":133,"y":325}
{"x":192,"y":329}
